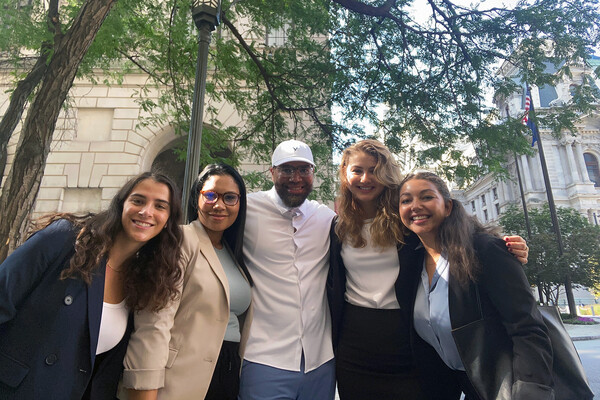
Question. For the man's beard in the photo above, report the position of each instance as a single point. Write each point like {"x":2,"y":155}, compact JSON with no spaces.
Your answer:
{"x":292,"y":200}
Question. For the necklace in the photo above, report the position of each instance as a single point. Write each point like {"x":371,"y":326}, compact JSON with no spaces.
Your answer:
{"x":116,"y":270}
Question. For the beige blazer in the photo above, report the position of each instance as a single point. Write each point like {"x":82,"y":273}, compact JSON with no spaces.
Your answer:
{"x":177,"y":348}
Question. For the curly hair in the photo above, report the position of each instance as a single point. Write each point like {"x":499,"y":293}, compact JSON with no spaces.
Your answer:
{"x":234,"y":235}
{"x":385,"y":229}
{"x":455,"y":233}
{"x":152,"y":276}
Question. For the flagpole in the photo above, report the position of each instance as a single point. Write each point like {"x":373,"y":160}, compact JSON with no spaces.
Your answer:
{"x":525,"y":212}
{"x":523,"y":202}
{"x":537,"y":137}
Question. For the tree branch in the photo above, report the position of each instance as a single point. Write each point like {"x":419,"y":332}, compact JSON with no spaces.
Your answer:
{"x":367,"y":9}
{"x":16,"y":107}
{"x":261,"y":68}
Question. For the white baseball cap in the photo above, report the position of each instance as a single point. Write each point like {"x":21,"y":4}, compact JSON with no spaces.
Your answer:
{"x":292,"y":150}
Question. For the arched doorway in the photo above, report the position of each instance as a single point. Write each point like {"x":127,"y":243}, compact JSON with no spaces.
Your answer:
{"x":169,"y":162}
{"x":170,"y":159}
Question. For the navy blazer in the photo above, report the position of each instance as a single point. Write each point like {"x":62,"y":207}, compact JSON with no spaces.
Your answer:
{"x":49,"y":327}
{"x":500,"y":335}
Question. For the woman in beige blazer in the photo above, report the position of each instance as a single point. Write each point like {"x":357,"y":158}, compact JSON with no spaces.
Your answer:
{"x":192,"y":349}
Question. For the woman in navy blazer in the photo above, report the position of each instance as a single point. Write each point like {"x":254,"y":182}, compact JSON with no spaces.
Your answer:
{"x":477,"y":329}
{"x":60,"y":337}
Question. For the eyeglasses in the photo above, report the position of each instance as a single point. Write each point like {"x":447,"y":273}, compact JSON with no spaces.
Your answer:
{"x":229,"y":198}
{"x":288,"y":172}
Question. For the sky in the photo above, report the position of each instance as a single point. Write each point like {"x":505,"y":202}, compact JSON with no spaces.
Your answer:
{"x":485,"y":4}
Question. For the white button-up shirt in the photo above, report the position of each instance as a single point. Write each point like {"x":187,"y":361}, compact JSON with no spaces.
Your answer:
{"x":287,"y":253}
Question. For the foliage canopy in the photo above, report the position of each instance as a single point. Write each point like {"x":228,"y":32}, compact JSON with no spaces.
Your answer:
{"x":545,"y":267}
{"x":347,"y":57}
{"x":431,"y":74}
{"x":429,"y":69}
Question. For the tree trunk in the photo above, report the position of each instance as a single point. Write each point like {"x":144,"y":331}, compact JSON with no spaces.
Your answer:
{"x":570,"y":297}
{"x":17,"y":105}
{"x":23,"y":182}
{"x":551,"y":294}
{"x":540,"y":293}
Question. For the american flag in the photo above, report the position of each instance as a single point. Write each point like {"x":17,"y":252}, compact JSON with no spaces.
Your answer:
{"x":527,"y":105}
{"x":527,"y":121}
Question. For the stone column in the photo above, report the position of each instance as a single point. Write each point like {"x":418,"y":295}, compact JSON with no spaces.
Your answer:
{"x":580,"y":161}
{"x":537,"y":179}
{"x":572,"y":164}
{"x":558,"y":164}
{"x":526,"y":174}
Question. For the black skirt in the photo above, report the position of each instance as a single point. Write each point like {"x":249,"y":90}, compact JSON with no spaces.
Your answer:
{"x":373,"y":357}
{"x":225,"y":382}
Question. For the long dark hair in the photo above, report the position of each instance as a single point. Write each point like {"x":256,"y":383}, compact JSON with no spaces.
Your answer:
{"x":234,"y":235}
{"x":385,"y":229}
{"x":152,"y":275}
{"x":455,"y":233}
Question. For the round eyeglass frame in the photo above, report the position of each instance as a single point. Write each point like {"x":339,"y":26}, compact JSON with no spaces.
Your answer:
{"x":220,"y":195}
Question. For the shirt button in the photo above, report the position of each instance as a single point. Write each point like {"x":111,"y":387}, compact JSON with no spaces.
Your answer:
{"x":68,"y":300}
{"x":51,"y":359}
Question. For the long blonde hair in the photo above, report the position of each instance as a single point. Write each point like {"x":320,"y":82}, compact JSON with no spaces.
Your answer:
{"x":386,"y":226}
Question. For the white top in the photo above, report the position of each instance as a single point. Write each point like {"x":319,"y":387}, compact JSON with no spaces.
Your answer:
{"x":371,"y":273}
{"x":287,"y":254}
{"x":112,"y":326}
{"x":239,"y":294}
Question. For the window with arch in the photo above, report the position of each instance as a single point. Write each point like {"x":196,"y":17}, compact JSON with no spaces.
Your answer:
{"x":591,"y":163}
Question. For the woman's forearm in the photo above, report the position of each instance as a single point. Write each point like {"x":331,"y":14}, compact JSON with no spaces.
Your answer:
{"x":133,"y":394}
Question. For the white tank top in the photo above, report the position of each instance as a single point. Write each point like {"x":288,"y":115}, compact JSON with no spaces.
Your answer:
{"x":112,"y":326}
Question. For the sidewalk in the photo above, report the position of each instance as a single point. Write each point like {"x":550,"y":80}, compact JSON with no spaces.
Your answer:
{"x":583,"y":332}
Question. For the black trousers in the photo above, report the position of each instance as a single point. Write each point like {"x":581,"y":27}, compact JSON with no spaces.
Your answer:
{"x":373,"y":357}
{"x":225,"y":383}
{"x":438,"y":381}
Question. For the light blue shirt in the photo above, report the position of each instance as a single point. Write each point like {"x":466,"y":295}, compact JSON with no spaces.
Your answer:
{"x":239,"y":294}
{"x":432,"y":314}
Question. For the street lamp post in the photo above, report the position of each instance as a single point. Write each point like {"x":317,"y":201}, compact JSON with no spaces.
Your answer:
{"x":206,"y":17}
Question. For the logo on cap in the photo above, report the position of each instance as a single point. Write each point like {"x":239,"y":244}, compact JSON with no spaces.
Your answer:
{"x":290,"y":151}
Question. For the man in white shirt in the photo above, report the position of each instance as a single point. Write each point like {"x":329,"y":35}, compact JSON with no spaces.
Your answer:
{"x":289,"y":354}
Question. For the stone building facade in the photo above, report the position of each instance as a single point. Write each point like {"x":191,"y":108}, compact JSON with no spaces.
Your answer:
{"x":572,"y":161}
{"x":98,"y":144}
{"x":102,"y":139}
